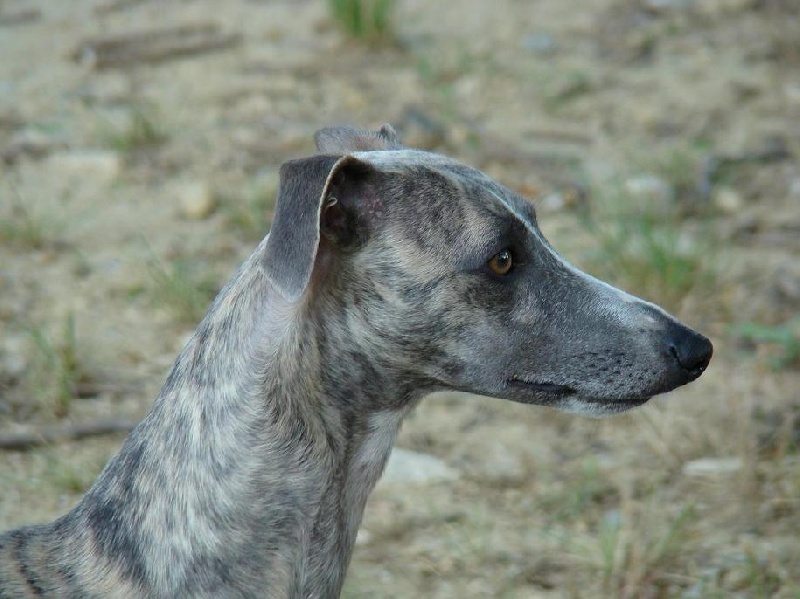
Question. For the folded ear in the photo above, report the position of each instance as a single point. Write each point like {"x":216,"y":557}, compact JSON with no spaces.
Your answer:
{"x":345,"y":139}
{"x":293,"y":242}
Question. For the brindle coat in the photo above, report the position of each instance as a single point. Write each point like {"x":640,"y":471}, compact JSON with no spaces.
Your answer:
{"x":374,"y":288}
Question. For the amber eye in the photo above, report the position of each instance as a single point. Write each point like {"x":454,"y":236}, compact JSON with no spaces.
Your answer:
{"x":501,"y":262}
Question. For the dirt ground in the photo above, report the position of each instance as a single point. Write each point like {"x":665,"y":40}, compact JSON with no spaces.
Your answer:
{"x":659,"y":139}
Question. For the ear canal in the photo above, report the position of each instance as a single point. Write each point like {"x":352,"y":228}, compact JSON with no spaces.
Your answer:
{"x":346,"y":139}
{"x":293,"y":240}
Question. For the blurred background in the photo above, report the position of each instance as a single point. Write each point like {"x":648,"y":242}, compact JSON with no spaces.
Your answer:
{"x":139,"y":148}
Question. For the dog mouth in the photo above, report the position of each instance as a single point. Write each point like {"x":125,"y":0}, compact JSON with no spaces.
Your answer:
{"x":569,"y":398}
{"x":549,"y":389}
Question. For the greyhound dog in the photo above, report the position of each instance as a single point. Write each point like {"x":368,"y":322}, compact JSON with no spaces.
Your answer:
{"x":388,"y":274}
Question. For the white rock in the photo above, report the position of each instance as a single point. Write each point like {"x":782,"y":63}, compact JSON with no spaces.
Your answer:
{"x":717,"y":8}
{"x":103,"y":166}
{"x":407,"y":466}
{"x":499,"y":464}
{"x":712,"y":466}
{"x":792,"y":92}
{"x":195,"y":199}
{"x":363,"y":537}
{"x":663,"y":6}
{"x":539,"y":43}
{"x":552,"y":202}
{"x":656,"y":192}
{"x":728,"y":200}
{"x":13,"y":353}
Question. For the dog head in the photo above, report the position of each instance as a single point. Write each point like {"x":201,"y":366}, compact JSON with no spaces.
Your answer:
{"x":441,"y":276}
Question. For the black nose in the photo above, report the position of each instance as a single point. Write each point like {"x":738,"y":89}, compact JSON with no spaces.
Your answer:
{"x":691,"y":349}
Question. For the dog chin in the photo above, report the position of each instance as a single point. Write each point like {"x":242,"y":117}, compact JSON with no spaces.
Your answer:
{"x":598,"y":408}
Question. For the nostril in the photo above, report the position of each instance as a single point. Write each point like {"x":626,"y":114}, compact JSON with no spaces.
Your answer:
{"x":693,"y":352}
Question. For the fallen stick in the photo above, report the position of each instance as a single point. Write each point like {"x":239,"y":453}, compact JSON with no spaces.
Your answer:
{"x":20,"y":17}
{"x":775,"y":150}
{"x":116,"y":5}
{"x":157,"y":45}
{"x":53,"y":434}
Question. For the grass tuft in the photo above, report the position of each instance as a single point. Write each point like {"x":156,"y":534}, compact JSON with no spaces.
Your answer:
{"x":56,"y":371}
{"x":635,"y":560}
{"x":23,"y":229}
{"x":181,"y":290}
{"x":250,"y":215}
{"x":365,"y":20}
{"x":649,"y":254}
{"x":142,"y":132}
{"x":782,"y":342}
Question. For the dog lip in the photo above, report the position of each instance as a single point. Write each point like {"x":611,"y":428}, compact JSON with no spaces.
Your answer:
{"x":541,"y":386}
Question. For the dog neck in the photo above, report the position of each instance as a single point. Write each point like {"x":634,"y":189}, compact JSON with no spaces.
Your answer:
{"x":250,"y":472}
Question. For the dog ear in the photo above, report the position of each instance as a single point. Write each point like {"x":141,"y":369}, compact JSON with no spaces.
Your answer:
{"x":306,"y":194}
{"x":346,"y":139}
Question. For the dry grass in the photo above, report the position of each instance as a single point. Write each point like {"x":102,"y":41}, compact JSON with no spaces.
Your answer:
{"x":595,"y":509}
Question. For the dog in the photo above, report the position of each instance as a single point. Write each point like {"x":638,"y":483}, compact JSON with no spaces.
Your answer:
{"x":388,"y":274}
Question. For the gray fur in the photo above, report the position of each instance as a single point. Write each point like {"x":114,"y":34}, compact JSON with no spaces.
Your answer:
{"x":249,"y":476}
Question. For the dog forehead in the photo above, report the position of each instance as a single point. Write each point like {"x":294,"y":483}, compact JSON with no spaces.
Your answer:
{"x":451,"y":207}
{"x":401,"y":160}
{"x":475,"y":184}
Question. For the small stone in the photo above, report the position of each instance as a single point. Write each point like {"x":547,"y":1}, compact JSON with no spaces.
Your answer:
{"x":407,"y":466}
{"x":14,"y":357}
{"x":787,"y":284}
{"x":718,"y":8}
{"x":650,"y":194}
{"x":665,"y":6}
{"x":712,"y":466}
{"x":794,"y":187}
{"x":363,"y":537}
{"x":500,"y":465}
{"x":195,"y":200}
{"x":552,"y":202}
{"x":727,"y":200}
{"x":542,"y":44}
{"x":791,"y":92}
{"x":101,"y":165}
{"x":650,"y":188}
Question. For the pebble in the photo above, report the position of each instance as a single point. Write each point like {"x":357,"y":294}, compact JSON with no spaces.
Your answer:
{"x":405,"y":466}
{"x":712,"y":466}
{"x":664,"y":6}
{"x":542,"y":44}
{"x":792,"y":92}
{"x":195,"y":200}
{"x":654,"y":191}
{"x":727,"y":200}
{"x":718,"y":8}
{"x":500,"y":465}
{"x":552,"y":202}
{"x":14,"y":356}
{"x":101,"y":165}
{"x":363,"y":537}
{"x":787,"y":284}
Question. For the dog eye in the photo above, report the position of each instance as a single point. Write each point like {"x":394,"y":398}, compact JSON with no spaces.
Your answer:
{"x":501,"y":262}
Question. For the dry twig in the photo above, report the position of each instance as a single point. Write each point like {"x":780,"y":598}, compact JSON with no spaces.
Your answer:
{"x":53,"y":434}
{"x":157,"y":45}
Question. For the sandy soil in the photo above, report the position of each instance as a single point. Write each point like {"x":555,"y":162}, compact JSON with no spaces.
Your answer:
{"x":130,"y":191}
